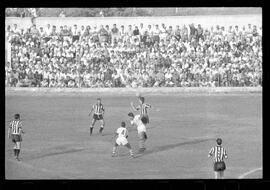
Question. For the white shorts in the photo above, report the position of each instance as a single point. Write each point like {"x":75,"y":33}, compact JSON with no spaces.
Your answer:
{"x":141,"y":128}
{"x":121,"y":141}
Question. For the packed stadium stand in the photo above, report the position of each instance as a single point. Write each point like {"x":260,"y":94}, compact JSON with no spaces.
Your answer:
{"x":134,"y":56}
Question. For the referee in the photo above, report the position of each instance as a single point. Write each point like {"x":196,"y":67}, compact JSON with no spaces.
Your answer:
{"x":98,"y":115}
{"x":219,"y":153}
{"x":15,"y":133}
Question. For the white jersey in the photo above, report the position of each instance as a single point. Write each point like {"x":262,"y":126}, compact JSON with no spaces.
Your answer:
{"x":122,"y":132}
{"x":122,"y":136}
{"x":140,"y":126}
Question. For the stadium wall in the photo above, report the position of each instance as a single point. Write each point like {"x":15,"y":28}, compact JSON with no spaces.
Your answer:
{"x":132,"y":91}
{"x":204,"y":20}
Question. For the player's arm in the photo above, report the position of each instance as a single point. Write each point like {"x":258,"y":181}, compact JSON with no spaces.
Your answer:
{"x":9,"y":129}
{"x":20,"y":128}
{"x":103,"y":110}
{"x":211,"y":152}
{"x":225,"y":154}
{"x":91,"y":111}
{"x":148,"y":106}
{"x":126,"y":133}
{"x":132,"y":122}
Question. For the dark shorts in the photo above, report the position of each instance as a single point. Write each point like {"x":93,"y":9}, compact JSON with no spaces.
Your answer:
{"x":219,"y":166}
{"x":74,"y":38}
{"x":16,"y":138}
{"x":97,"y":117}
{"x":143,"y":136}
{"x":147,"y":118}
{"x":46,"y":39}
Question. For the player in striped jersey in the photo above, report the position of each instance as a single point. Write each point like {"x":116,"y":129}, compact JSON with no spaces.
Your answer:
{"x":142,"y":107}
{"x":219,"y":154}
{"x":122,"y":134}
{"x":140,"y":123}
{"x":98,"y":115}
{"x":15,"y":133}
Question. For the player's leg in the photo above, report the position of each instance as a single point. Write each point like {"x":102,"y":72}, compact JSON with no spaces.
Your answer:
{"x":15,"y":150}
{"x":141,"y":141}
{"x":18,"y":149}
{"x":216,"y":174}
{"x":15,"y":146}
{"x":114,"y":149}
{"x":147,"y":118}
{"x":102,"y":124}
{"x":92,"y":125}
{"x":130,"y":149}
{"x":221,"y":174}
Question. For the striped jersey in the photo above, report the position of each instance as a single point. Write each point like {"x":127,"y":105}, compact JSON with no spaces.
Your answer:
{"x":98,"y":109}
{"x":218,"y":152}
{"x":143,"y":108}
{"x":16,"y":127}
{"x":122,"y":132}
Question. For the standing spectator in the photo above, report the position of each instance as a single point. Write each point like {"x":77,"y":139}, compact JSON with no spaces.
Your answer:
{"x":177,"y":33}
{"x":75,"y":33}
{"x":115,"y":34}
{"x":156,"y":33}
{"x":136,"y":33}
{"x":103,"y":34}
{"x":163,"y":32}
{"x":200,"y":32}
{"x":47,"y":33}
{"x":109,"y":34}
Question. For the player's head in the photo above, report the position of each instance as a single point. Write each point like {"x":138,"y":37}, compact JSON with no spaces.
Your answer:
{"x":123,"y":124}
{"x":141,"y":99}
{"x":131,"y":115}
{"x":219,"y":141}
{"x":98,"y":100}
{"x":144,"y":120}
{"x":17,"y":116}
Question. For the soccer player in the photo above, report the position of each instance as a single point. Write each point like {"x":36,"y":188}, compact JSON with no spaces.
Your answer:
{"x":142,"y":107}
{"x":122,"y":134}
{"x":98,"y":115}
{"x":219,"y":154}
{"x":15,"y":133}
{"x":140,"y":123}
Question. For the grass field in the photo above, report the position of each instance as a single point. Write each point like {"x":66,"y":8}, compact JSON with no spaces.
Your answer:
{"x":182,"y":130}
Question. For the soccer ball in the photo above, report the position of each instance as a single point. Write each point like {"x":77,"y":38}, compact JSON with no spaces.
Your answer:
{"x":138,"y":94}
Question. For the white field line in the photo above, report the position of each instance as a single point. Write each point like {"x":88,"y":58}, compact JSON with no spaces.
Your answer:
{"x":249,"y":172}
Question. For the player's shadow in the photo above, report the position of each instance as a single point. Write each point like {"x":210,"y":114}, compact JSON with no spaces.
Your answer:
{"x":171,"y":146}
{"x":53,"y":152}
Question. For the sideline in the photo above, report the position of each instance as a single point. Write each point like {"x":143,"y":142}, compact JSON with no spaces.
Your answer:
{"x":249,"y":172}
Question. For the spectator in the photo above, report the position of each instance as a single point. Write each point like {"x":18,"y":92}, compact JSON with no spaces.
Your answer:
{"x":137,"y":57}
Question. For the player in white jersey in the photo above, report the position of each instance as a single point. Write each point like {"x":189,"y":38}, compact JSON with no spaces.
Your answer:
{"x":140,"y":122}
{"x":122,"y":134}
{"x":15,"y":133}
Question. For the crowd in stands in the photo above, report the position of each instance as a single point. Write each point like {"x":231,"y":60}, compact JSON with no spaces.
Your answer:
{"x":134,"y":56}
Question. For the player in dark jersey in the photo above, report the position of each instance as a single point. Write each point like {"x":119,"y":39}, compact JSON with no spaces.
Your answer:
{"x":142,"y":107}
{"x":219,"y":153}
{"x":15,"y":133}
{"x":98,"y":110}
